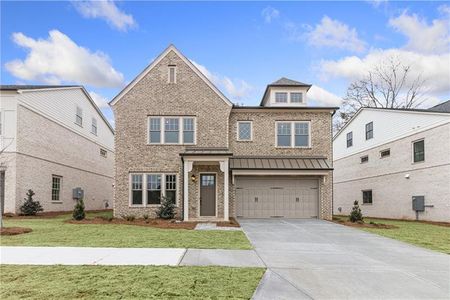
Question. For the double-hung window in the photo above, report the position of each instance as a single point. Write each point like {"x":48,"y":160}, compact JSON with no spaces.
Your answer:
{"x":419,"y":151}
{"x":171,"y":130}
{"x":172,"y":76}
{"x":296,"y":97}
{"x":293,"y":134}
{"x":153,"y":188}
{"x":281,"y":97}
{"x":369,"y":131}
{"x":94,"y":126}
{"x":349,"y":139}
{"x":367,"y":197}
{"x":56,"y":187}
{"x":171,"y":188}
{"x":79,"y":116}
{"x":244,"y":130}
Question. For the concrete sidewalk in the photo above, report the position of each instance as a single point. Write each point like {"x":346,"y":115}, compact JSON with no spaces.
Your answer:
{"x":128,"y":256}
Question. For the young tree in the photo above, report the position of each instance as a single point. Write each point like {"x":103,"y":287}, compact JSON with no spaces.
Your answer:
{"x":78,"y":211}
{"x":30,"y":207}
{"x":167,"y":209}
{"x":389,"y":84}
{"x":356,"y":214}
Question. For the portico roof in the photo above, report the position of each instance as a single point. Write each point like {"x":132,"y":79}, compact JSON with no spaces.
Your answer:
{"x":279,"y":163}
{"x":210,"y":151}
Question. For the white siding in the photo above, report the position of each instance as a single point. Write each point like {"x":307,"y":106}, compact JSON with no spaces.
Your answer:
{"x":387,"y":126}
{"x":8,"y":115}
{"x":60,"y":105}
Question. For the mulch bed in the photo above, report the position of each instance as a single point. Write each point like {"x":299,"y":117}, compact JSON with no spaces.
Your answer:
{"x":48,"y":214}
{"x":231,"y":223}
{"x":365,"y":225}
{"x":14,"y":230}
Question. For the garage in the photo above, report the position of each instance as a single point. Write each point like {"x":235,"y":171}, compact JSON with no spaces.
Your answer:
{"x":276,"y":196}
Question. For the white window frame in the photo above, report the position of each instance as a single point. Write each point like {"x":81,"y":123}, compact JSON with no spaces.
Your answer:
{"x":180,"y":128}
{"x":412,"y":151}
{"x":287,"y":97}
{"x":302,"y":96}
{"x":174,"y":68}
{"x":293,"y":135}
{"x":59,"y":190}
{"x":237,"y":131}
{"x":81,"y":116}
{"x":144,"y":188}
{"x":94,"y":125}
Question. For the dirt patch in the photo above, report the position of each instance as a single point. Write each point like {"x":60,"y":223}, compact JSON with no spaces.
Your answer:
{"x":156,"y":223}
{"x":14,"y":230}
{"x":48,"y":214}
{"x":365,"y":225}
{"x":231,"y":223}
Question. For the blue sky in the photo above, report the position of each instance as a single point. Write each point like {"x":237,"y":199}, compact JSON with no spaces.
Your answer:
{"x":242,"y":46}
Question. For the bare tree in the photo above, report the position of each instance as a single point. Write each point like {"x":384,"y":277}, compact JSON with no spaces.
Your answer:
{"x":388,"y":84}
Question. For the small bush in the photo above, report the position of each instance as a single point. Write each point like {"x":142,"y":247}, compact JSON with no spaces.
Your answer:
{"x":356,"y":214}
{"x":107,"y":218}
{"x":167,"y":209}
{"x":30,"y":207}
{"x":372,"y":223}
{"x":78,"y":211}
{"x":129,"y":218}
{"x":145,"y":216}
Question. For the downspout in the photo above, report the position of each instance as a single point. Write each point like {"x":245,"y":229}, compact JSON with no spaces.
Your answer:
{"x":182,"y":204}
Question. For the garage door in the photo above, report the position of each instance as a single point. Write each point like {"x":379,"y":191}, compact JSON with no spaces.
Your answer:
{"x":268,"y":197}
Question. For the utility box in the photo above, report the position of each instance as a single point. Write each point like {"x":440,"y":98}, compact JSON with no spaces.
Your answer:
{"x":77,"y":193}
{"x":418,"y":203}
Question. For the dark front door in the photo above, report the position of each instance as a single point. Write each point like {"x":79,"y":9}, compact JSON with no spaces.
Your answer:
{"x":2,"y":191}
{"x":207,"y":195}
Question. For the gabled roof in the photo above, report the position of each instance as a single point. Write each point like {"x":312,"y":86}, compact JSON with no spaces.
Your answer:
{"x":284,"y":82}
{"x":406,"y":110}
{"x":30,"y":88}
{"x":155,"y":62}
{"x":441,"y":107}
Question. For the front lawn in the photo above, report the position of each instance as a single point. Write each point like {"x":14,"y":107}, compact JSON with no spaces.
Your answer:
{"x":127,"y":282}
{"x":56,"y":232}
{"x":434,"y":237}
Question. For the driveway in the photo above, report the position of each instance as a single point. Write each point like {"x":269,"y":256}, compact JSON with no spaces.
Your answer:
{"x":314,"y":259}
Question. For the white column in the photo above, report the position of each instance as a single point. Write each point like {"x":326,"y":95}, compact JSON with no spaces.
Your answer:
{"x":187,"y":168}
{"x":224,"y":169}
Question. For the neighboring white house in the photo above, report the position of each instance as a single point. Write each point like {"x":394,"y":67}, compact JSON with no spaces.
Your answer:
{"x":385,"y":158}
{"x":54,"y":139}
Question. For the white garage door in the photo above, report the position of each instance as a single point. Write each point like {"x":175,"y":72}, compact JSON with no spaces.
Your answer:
{"x":267,"y":197}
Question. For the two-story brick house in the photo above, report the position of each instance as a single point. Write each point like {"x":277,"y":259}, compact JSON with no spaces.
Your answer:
{"x":178,"y":136}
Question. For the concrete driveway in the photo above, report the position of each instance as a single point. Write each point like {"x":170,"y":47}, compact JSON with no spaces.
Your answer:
{"x":314,"y":259}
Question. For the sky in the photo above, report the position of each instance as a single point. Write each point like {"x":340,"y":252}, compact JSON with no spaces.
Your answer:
{"x":240,"y":46}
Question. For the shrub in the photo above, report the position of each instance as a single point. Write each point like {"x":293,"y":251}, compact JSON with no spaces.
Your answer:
{"x":167,"y":209}
{"x":145,"y":216}
{"x":129,"y":218}
{"x":356,"y":214}
{"x":78,"y":211}
{"x":30,"y":207}
{"x":107,"y":218}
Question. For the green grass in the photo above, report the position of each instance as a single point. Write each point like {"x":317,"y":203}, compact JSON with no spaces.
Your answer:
{"x":55,"y":232}
{"x":127,"y":282}
{"x":421,"y":234}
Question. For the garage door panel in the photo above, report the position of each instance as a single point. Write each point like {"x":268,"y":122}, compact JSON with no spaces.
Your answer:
{"x":287,"y":197}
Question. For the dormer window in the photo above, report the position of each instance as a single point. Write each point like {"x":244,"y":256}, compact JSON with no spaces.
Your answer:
{"x":281,"y":97}
{"x":296,"y":97}
{"x":172,"y":76}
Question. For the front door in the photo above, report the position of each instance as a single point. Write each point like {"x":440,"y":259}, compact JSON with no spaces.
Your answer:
{"x":207,"y":195}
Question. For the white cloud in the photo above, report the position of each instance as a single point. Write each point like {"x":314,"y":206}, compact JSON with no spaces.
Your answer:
{"x":101,"y":101}
{"x":323,"y":97}
{"x":269,"y":14}
{"x":432,"y":68}
{"x":444,"y":9}
{"x":106,"y":10}
{"x":424,"y":37}
{"x":333,"y":33}
{"x":236,"y":89}
{"x":59,"y":59}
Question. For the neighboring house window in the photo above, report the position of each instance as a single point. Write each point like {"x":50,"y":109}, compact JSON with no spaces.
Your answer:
{"x":172,"y":130}
{"x":155,"y":130}
{"x":188,"y":130}
{"x":136,"y":189}
{"x":280,"y":97}
{"x":244,"y":130}
{"x":171,"y":188}
{"x":419,"y":151}
{"x":103,"y":152}
{"x":369,"y":131}
{"x":296,"y":97}
{"x":94,"y":126}
{"x":364,"y":159}
{"x":385,"y":153}
{"x":293,"y":134}
{"x":367,"y":197}
{"x":350,"y":139}
{"x":172,"y":74}
{"x":153,"y":189}
{"x":56,"y":187}
{"x":79,"y":116}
